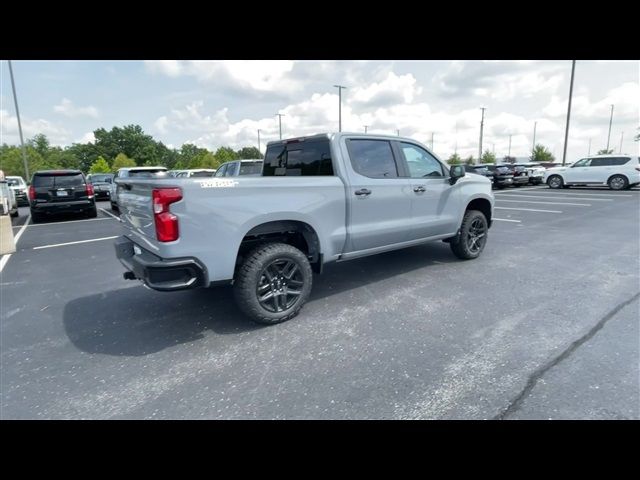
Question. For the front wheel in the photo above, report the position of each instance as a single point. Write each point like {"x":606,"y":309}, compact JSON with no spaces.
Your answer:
{"x":273,"y":283}
{"x":473,"y":236}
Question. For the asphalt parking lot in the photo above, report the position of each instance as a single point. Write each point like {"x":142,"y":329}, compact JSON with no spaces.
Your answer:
{"x":544,"y":325}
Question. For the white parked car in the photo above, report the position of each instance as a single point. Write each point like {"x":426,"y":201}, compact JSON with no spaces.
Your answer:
{"x":617,"y":171}
{"x":535,"y":172}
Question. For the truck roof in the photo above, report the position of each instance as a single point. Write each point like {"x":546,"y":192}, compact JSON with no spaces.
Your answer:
{"x":337,"y":135}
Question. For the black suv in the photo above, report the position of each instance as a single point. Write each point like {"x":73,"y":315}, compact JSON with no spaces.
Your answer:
{"x":60,"y":191}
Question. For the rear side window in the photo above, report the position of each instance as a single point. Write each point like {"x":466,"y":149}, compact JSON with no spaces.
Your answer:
{"x":306,"y":158}
{"x":55,"y":181}
{"x":372,"y":158}
{"x":250,"y":168}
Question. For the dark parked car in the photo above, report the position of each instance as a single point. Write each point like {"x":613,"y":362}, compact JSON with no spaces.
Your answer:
{"x":101,"y":184}
{"x":479,"y":170}
{"x":60,"y":191}
{"x":520,"y":174}
{"x":502,"y":175}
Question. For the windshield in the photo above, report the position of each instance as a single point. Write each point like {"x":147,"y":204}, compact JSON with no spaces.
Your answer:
{"x":100,"y":178}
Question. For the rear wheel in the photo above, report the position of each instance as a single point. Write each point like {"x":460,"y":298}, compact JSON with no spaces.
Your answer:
{"x":36,"y":217}
{"x":273,"y":283}
{"x":15,"y":214}
{"x":114,"y":207}
{"x":555,"y":181}
{"x":473,"y":236}
{"x":618,"y":182}
{"x":92,"y":213}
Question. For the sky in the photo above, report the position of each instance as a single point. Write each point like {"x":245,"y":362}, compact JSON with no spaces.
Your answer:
{"x":224,"y":103}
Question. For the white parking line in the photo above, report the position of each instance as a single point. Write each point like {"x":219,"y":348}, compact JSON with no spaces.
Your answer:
{"x":547,"y":203}
{"x":6,"y":258}
{"x":593,"y":194}
{"x":563,"y":198}
{"x":68,"y":221}
{"x":506,"y":220}
{"x":528,"y":209}
{"x":111,"y":214}
{"x":74,"y":243}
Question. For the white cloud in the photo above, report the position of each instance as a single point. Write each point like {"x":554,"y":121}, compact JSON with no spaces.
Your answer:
{"x":87,"y":138}
{"x":57,"y":134}
{"x":68,"y":109}
{"x":392,"y":90}
{"x":258,"y":75}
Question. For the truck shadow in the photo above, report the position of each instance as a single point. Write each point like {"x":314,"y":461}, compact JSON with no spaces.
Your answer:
{"x":136,"y":321}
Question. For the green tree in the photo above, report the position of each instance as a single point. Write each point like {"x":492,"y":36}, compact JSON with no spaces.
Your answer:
{"x":41,"y":144}
{"x":470,"y":160}
{"x":488,"y":157}
{"x":65,"y":158}
{"x":604,"y":151}
{"x":12,"y":164}
{"x":248,"y":153}
{"x":508,"y":159}
{"x":122,"y":161}
{"x":130,"y":140}
{"x":542,"y":154}
{"x":100,"y":166}
{"x":226,"y":154}
{"x":454,"y":159}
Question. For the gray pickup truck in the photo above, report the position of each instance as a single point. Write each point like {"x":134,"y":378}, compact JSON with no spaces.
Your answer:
{"x":323,"y":198}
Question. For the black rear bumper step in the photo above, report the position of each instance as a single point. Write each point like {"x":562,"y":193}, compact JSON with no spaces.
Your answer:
{"x":161,"y":274}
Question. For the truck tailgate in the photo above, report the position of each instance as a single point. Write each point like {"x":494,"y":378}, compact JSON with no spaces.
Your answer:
{"x":136,"y":208}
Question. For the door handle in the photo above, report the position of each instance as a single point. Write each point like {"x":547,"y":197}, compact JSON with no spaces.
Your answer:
{"x":419,"y":189}
{"x":363,"y":191}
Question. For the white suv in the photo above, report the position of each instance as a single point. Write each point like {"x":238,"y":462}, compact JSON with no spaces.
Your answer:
{"x":617,"y":171}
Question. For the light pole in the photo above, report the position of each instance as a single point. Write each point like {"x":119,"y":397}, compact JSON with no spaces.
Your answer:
{"x":481,"y":130}
{"x":340,"y":88}
{"x":259,"y":142}
{"x":398,"y":131}
{"x":280,"y":115}
{"x":566,"y":131}
{"x":610,"y":121}
{"x":15,"y":100}
{"x":533,"y":149}
{"x":432,"y":141}
{"x":365,"y":128}
{"x":589,"y":152}
{"x":509,"y":154}
{"x":621,"y":137}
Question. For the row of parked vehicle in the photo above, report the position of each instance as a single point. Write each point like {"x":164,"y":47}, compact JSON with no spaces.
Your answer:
{"x":69,"y":191}
{"x":510,"y":174}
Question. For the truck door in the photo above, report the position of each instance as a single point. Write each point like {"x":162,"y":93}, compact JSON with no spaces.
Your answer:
{"x":379,"y":198}
{"x":434,"y":202}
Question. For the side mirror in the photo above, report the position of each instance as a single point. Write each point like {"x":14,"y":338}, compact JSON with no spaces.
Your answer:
{"x":456,"y":172}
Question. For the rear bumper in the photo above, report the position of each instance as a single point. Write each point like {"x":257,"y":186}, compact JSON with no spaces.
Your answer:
{"x":503,"y":180}
{"x":161,"y":274}
{"x":61,"y":207}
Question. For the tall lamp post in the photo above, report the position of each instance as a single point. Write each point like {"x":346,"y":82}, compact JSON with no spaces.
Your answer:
{"x":566,"y":131}
{"x":15,"y":100}
{"x":340,"y":88}
{"x":481,"y":131}
{"x":610,"y":121}
{"x":280,"y":115}
{"x":259,"y":142}
{"x":533,"y":148}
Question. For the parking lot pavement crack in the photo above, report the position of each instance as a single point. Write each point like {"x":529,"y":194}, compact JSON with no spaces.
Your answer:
{"x":516,"y":403}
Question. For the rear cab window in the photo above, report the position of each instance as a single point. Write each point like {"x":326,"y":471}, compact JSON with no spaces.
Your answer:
{"x":250,"y":168}
{"x":308,"y":157}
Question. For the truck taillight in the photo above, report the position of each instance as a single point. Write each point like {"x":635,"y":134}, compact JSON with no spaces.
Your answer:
{"x":166,"y":222}
{"x":32,"y":192}
{"x":89,"y":190}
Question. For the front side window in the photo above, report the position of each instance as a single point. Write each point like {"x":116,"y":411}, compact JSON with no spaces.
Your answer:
{"x":220,"y":172}
{"x":420,"y":162}
{"x":232,"y":170}
{"x":372,"y":158}
{"x":582,"y":163}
